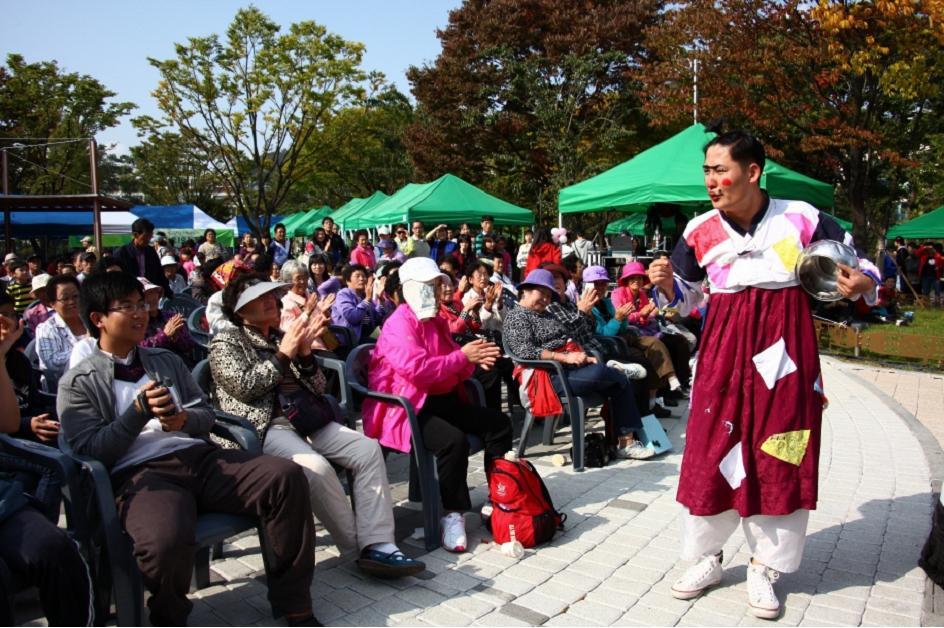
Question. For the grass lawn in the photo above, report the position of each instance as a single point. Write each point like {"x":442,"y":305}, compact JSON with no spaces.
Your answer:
{"x":896,"y":345}
{"x":927,"y":322}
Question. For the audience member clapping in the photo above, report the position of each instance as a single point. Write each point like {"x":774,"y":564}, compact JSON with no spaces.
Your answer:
{"x":272,"y":379}
{"x":416,"y":358}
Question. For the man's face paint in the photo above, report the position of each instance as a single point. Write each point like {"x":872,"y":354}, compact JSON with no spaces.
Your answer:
{"x":727,"y":182}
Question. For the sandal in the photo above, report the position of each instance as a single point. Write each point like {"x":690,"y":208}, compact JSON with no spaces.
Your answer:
{"x":392,"y":565}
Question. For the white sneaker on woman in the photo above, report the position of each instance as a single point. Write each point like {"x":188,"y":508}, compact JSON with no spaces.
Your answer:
{"x":453,"y":532}
{"x":760,"y":591}
{"x":703,"y":574}
{"x":635,"y":451}
{"x":630,"y":369}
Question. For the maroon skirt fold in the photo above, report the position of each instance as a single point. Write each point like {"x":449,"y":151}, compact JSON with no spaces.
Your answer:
{"x":753,"y":436}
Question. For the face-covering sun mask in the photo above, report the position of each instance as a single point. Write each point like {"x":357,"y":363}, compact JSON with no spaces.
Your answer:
{"x":421,"y":297}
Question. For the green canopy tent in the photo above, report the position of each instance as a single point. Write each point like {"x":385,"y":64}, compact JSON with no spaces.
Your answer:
{"x":448,"y":200}
{"x":926,"y":226}
{"x":671,"y":172}
{"x":291,"y":220}
{"x":308,"y":222}
{"x":633,"y":224}
{"x":344,"y":214}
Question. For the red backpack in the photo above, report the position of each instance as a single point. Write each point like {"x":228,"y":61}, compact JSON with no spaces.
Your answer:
{"x":522,"y":507}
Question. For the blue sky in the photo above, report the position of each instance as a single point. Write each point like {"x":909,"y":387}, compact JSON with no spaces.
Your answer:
{"x":111,"y":40}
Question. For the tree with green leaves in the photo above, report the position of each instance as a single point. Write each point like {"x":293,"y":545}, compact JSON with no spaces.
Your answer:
{"x":529,"y":96}
{"x":170,"y":171}
{"x":51,"y":107}
{"x":250,"y":102}
{"x":360,"y":149}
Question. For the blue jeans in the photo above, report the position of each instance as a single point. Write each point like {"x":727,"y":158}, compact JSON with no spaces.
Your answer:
{"x":607,"y":382}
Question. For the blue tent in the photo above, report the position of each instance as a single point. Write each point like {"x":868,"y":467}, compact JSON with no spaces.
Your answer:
{"x":168,"y":216}
{"x":64,"y":224}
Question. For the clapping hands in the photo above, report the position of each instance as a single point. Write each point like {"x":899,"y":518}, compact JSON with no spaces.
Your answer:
{"x":482,"y":353}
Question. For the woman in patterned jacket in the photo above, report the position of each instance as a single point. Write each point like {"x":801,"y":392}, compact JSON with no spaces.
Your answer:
{"x":271,"y":378}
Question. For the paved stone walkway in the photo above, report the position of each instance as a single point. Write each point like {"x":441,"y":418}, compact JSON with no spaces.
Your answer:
{"x":617,"y":558}
{"x":919,"y":393}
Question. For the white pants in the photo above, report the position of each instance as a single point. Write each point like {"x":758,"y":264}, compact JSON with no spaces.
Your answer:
{"x":352,"y":450}
{"x":774,"y":541}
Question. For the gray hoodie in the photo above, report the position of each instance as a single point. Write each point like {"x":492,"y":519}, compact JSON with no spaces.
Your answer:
{"x":86,"y":404}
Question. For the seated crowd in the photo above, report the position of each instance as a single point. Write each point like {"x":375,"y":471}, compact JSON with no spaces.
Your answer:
{"x":114,"y":380}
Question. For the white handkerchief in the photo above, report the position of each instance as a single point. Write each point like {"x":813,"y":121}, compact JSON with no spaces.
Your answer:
{"x":732,"y":466}
{"x":773,"y":363}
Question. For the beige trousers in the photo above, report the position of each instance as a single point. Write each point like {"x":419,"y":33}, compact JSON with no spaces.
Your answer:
{"x":351,"y":450}
{"x":774,"y":541}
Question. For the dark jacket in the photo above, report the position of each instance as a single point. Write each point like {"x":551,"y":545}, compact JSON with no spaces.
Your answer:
{"x":128,"y":259}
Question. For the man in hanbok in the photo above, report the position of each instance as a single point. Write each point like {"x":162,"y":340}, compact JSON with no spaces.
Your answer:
{"x":753,"y":437}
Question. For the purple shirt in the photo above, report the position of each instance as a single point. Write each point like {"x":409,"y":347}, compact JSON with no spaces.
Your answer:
{"x":37,"y":314}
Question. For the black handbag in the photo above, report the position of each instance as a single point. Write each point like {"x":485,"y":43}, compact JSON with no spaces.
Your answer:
{"x":306,"y":411}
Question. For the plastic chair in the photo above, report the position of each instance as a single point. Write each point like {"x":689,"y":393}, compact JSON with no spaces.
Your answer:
{"x":203,"y":376}
{"x":575,"y":408}
{"x":200,"y":335}
{"x":424,"y":481}
{"x":181,"y":304}
{"x":195,"y":321}
{"x":32,"y":355}
{"x":120,"y":573}
{"x":616,"y":344}
{"x":58,"y":482}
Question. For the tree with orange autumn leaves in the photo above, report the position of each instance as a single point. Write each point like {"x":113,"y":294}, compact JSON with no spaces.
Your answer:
{"x":849,"y":92}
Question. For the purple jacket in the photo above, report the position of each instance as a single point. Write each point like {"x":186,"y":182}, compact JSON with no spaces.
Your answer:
{"x":351,"y":311}
{"x":331,"y":286}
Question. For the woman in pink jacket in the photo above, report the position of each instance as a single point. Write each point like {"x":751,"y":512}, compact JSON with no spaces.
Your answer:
{"x":363,"y":252}
{"x":416,"y":358}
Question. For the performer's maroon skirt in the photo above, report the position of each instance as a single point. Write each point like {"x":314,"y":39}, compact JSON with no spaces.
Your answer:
{"x":757,"y":384}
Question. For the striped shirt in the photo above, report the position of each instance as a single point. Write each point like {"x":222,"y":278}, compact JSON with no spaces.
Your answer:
{"x":20,"y":293}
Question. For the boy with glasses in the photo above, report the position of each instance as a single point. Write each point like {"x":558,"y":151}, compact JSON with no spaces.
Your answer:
{"x":139,"y":412}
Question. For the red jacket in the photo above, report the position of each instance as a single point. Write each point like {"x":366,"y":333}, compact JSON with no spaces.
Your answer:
{"x":457,"y":324}
{"x":545,"y":252}
{"x":925,"y":253}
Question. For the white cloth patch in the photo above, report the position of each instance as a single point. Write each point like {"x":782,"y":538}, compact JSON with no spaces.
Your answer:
{"x":773,"y":363}
{"x":732,"y":466}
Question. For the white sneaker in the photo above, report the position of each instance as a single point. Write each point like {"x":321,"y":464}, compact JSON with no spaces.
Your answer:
{"x":453,"y":532}
{"x":635,"y":451}
{"x":703,"y":574}
{"x":760,"y":591}
{"x":630,"y":369}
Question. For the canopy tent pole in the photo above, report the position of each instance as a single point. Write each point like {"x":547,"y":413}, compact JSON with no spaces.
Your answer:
{"x":96,"y":206}
{"x":6,"y":209}
{"x":694,"y":91}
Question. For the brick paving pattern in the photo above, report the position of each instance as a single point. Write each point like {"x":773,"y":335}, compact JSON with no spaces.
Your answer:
{"x":615,"y":562}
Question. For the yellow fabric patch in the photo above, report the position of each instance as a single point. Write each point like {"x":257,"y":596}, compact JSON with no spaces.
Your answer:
{"x":788,"y":446}
{"x":788,"y":251}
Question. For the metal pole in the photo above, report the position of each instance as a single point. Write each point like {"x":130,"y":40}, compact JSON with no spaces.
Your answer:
{"x":6,"y":208}
{"x":96,"y":204}
{"x":695,"y":91}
